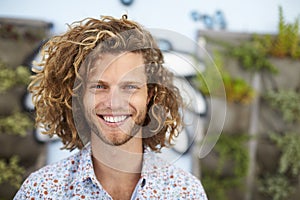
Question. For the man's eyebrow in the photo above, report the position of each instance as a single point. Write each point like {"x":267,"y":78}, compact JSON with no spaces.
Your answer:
{"x":96,"y":81}
{"x":133,"y":82}
{"x":125,"y":82}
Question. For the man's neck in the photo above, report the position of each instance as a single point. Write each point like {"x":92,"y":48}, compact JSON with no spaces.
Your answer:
{"x":117,"y":168}
{"x":118,"y":184}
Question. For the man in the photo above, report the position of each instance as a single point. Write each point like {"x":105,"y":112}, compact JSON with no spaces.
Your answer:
{"x":102,"y":88}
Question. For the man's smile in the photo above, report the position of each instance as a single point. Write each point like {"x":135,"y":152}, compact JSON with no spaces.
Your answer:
{"x":114,"y":118}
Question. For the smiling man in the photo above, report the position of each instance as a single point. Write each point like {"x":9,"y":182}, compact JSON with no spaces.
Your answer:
{"x":116,"y":97}
{"x":103,"y":89}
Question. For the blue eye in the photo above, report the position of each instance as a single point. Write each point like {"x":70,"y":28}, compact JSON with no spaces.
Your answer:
{"x":131,"y":87}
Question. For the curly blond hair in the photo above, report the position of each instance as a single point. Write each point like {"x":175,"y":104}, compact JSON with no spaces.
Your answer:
{"x":58,"y":85}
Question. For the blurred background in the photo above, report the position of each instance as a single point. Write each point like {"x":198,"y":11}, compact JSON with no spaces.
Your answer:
{"x":254,"y":47}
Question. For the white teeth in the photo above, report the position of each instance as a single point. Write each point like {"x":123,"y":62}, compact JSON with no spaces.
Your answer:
{"x":114,"y":119}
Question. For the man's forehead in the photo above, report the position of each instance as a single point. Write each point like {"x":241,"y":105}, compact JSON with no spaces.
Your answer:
{"x":108,"y":59}
{"x":127,"y":65}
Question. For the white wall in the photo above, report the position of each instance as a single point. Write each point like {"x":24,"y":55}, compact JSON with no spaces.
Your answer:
{"x":244,"y":16}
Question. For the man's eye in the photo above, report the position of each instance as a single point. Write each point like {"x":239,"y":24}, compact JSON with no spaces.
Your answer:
{"x":131,"y":87}
{"x":98,"y":86}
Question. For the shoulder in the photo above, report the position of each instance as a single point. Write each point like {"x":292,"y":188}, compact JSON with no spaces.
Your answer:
{"x":51,"y":179}
{"x":156,"y":167}
{"x":170,"y":180}
{"x":183,"y":181}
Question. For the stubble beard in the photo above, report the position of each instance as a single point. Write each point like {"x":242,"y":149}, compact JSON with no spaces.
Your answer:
{"x":115,"y":140}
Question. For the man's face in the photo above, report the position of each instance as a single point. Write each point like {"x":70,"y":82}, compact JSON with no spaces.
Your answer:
{"x":115,"y":99}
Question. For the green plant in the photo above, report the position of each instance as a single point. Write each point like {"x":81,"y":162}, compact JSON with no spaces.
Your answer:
{"x":12,"y":77}
{"x":290,"y":151}
{"x":294,"y":45}
{"x":252,"y":56}
{"x":11,"y":172}
{"x":287,"y":41}
{"x":215,"y":79}
{"x":237,"y":90}
{"x":280,"y":186}
{"x":229,"y":148}
{"x":232,"y":147}
{"x":287,"y":102}
{"x":277,"y":187}
{"x":216,"y":186}
{"x":16,"y":124}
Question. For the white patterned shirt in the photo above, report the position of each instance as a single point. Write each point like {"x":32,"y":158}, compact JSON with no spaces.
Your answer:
{"x":74,"y":178}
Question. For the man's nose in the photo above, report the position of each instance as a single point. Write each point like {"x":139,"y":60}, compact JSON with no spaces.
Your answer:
{"x":115,"y":99}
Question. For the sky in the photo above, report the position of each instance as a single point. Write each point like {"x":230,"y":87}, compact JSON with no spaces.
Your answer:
{"x":259,"y":16}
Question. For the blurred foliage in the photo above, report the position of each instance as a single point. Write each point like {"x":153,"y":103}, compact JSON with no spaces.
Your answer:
{"x":13,"y":77}
{"x":252,"y":56}
{"x":276,"y":186}
{"x":280,"y":185}
{"x":229,"y":149}
{"x":215,"y":79}
{"x":216,"y":186}
{"x":11,"y":172}
{"x":289,"y":145}
{"x":287,"y":102}
{"x":16,"y":124}
{"x":283,"y":183}
{"x":286,"y":43}
{"x":232,"y":147}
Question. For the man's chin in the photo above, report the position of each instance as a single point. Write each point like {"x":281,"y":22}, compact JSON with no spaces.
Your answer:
{"x":117,"y":141}
{"x":113,"y":139}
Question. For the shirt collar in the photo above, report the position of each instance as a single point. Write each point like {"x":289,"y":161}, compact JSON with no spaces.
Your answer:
{"x":150,"y":164}
{"x":85,"y":166}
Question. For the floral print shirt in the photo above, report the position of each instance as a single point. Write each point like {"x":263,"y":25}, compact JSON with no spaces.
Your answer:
{"x":74,"y":178}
